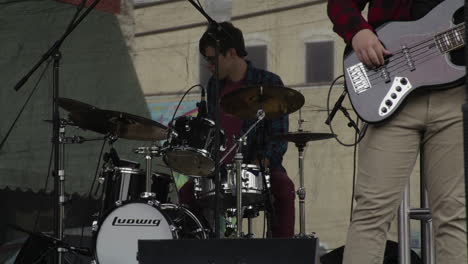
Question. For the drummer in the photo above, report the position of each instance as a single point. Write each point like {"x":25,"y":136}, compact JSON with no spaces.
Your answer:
{"x":234,"y":73}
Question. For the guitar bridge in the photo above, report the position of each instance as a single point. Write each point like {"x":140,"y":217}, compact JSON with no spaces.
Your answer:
{"x":358,"y":76}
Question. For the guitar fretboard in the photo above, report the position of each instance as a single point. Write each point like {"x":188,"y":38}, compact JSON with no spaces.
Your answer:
{"x":451,"y":39}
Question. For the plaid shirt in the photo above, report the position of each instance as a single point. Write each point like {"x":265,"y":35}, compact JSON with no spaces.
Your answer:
{"x":347,"y":18}
{"x":275,"y":149}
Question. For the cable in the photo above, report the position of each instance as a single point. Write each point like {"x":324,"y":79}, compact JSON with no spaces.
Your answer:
{"x":24,"y":105}
{"x":357,"y":138}
{"x":328,"y":112}
{"x":180,"y":102}
{"x":92,"y":186}
{"x":97,"y":168}
{"x":45,"y":189}
{"x":41,"y":257}
{"x":13,"y":125}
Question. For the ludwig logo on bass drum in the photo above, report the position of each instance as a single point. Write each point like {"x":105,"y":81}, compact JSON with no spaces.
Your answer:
{"x":135,"y":222}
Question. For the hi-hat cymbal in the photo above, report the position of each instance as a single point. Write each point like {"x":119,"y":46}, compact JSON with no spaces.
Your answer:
{"x":274,"y":100}
{"x":120,"y":124}
{"x":302,"y":137}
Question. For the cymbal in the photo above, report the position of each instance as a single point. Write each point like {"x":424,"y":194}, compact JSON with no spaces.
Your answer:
{"x":302,"y":137}
{"x":120,"y":124}
{"x":84,"y":115}
{"x":74,"y":106}
{"x":135,"y":127}
{"x":274,"y":100}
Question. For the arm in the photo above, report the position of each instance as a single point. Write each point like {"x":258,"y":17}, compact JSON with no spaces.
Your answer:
{"x":349,"y":23}
{"x":347,"y":18}
{"x":275,"y":149}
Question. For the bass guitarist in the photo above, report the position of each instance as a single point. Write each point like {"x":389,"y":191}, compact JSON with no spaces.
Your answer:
{"x":430,"y":119}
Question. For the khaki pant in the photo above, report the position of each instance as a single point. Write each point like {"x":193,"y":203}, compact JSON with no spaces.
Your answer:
{"x":387,"y":155}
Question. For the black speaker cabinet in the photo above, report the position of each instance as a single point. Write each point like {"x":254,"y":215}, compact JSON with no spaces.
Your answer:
{"x":229,"y":251}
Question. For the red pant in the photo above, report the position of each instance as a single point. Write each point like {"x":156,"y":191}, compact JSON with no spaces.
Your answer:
{"x":282,"y":190}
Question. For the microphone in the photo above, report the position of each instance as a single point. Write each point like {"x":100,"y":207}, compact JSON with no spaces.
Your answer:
{"x":202,"y":108}
{"x":335,"y":108}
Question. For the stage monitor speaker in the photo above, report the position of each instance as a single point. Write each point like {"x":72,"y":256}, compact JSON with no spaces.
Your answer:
{"x":229,"y":251}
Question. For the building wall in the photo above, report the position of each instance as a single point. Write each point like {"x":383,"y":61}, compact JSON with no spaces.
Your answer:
{"x":167,"y":63}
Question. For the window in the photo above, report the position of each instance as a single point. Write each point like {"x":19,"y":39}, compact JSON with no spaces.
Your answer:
{"x":319,"y":61}
{"x":256,"y":54}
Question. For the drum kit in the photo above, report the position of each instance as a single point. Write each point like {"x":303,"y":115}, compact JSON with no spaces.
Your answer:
{"x":134,"y":202}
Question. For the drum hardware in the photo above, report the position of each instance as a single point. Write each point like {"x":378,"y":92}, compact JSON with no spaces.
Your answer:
{"x":59,"y":244}
{"x":250,"y":212}
{"x":149,"y":153}
{"x":274,"y":102}
{"x":238,"y":159}
{"x":300,"y":139}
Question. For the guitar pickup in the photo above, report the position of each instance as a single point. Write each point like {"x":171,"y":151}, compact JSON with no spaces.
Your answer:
{"x":408,"y":58}
{"x":400,"y":87}
{"x":358,"y":77}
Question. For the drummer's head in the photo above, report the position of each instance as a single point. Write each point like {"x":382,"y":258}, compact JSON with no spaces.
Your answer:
{"x":232,"y":47}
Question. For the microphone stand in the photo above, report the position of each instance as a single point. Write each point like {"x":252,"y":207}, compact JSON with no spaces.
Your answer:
{"x":269,"y":209}
{"x":217,"y":176}
{"x":58,"y":130}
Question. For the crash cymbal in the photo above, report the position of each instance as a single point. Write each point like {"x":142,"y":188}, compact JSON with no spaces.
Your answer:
{"x":84,"y":115}
{"x":129,"y":126}
{"x":302,"y":137}
{"x":120,"y":124}
{"x":74,"y":106}
{"x":274,"y":100}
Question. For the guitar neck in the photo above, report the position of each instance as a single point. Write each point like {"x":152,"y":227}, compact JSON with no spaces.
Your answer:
{"x":451,"y":39}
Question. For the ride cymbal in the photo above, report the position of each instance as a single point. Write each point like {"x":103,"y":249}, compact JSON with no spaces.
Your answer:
{"x":274,"y":100}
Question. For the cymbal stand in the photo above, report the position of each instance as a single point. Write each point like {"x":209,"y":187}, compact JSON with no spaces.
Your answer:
{"x":59,"y":174}
{"x":270,"y":213}
{"x":301,"y":192}
{"x":238,"y":158}
{"x":54,"y":53}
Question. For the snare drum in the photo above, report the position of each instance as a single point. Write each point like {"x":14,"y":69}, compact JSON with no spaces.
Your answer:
{"x":191,"y":146}
{"x":116,"y":237}
{"x":252,"y":186}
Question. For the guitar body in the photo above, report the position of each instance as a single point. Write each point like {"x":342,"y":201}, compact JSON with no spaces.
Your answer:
{"x":377,"y":94}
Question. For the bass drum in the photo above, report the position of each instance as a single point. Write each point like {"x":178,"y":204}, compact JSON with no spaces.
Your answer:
{"x":116,"y":237}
